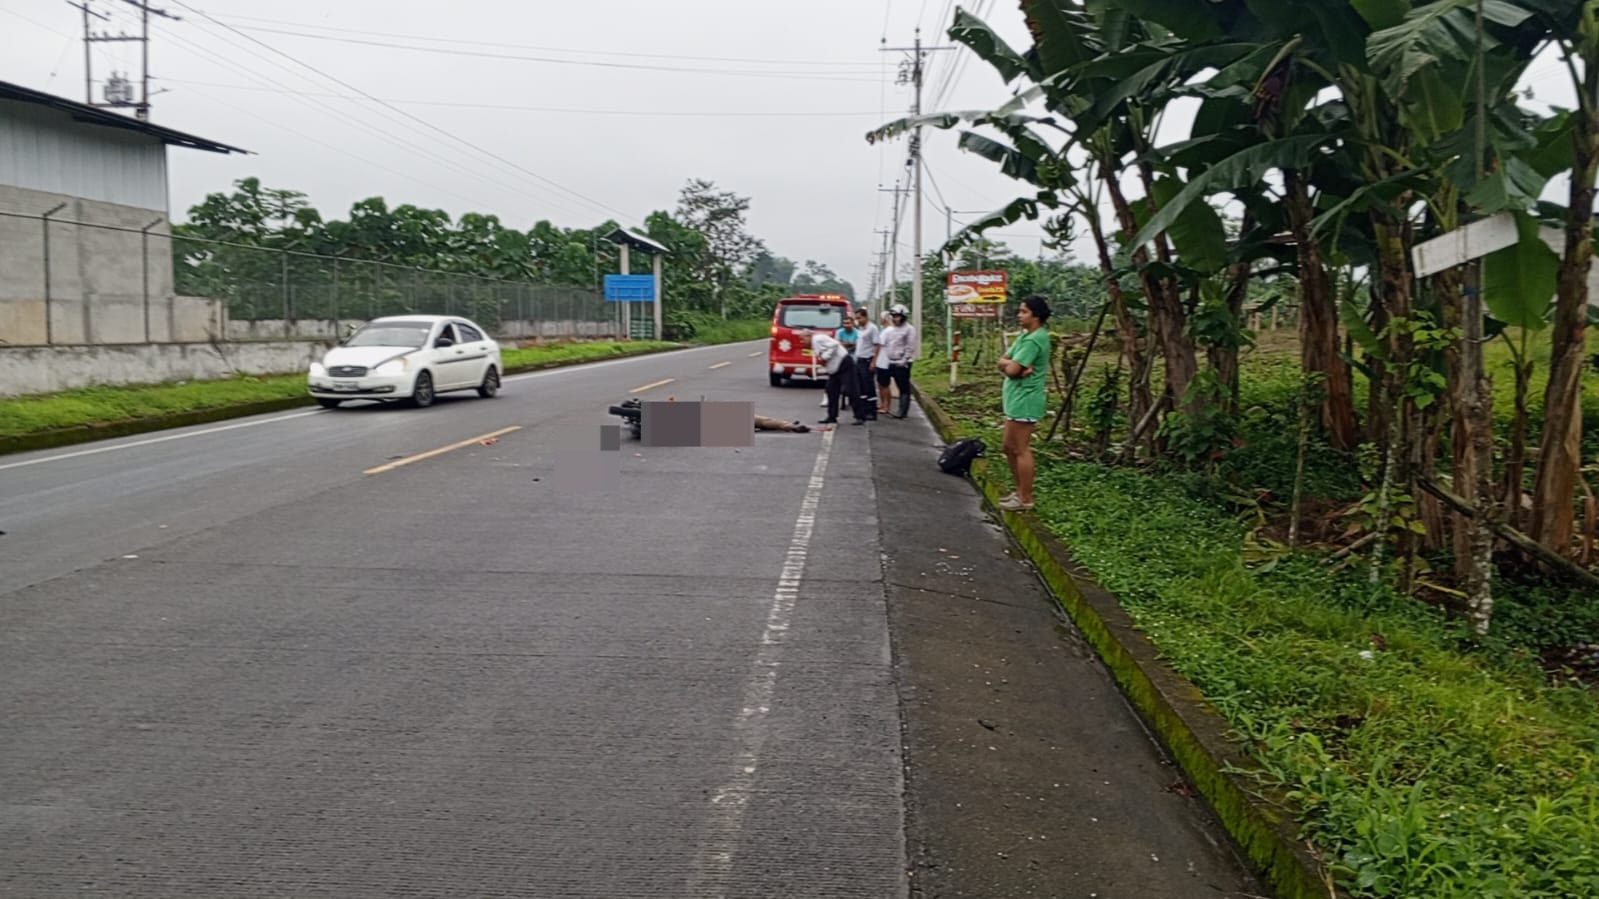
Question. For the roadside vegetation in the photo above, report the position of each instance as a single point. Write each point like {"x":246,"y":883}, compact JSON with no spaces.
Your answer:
{"x":1371,"y":544}
{"x":705,"y":327}
{"x":268,"y":253}
{"x":91,"y":406}
{"x":1422,"y":758}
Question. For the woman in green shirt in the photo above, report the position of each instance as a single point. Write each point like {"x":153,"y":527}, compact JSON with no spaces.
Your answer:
{"x":1025,"y":367}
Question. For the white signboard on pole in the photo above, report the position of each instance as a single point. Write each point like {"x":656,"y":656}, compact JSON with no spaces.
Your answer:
{"x":1462,"y":245}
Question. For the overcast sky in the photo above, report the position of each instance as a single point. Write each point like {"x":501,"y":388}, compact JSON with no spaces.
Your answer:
{"x":769,"y":99}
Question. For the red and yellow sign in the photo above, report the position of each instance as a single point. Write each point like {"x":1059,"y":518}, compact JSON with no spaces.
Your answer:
{"x":976,"y":294}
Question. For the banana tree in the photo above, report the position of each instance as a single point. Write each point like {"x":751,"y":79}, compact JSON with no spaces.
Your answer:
{"x":1571,"y":27}
{"x":1258,"y":120}
{"x":1043,"y":152}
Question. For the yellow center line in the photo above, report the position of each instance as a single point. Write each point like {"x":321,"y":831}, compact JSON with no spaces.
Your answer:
{"x":648,"y":386}
{"x":720,"y":365}
{"x":440,"y":451}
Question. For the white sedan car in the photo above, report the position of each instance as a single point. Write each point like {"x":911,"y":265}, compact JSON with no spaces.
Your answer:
{"x":408,"y":357}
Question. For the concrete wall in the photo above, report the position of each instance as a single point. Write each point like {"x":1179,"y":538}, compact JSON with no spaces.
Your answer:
{"x":107,"y":285}
{"x":44,"y":369}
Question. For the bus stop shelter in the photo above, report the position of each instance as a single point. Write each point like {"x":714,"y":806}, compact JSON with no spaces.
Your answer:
{"x":629,"y":290}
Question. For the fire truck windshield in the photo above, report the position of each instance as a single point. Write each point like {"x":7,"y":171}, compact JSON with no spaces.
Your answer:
{"x":820,"y":316}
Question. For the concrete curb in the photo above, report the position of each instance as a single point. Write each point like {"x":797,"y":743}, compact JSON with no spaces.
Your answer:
{"x":1190,"y":730}
{"x":90,"y":433}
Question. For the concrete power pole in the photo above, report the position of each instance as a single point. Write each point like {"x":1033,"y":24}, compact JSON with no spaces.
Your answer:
{"x":916,"y":160}
{"x":893,"y":244}
{"x":874,"y":304}
{"x":913,"y":74}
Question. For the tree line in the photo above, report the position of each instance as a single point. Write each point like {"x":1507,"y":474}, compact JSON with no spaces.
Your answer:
{"x":229,"y":246}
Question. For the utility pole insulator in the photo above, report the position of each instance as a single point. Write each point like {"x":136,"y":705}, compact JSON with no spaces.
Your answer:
{"x":119,"y":90}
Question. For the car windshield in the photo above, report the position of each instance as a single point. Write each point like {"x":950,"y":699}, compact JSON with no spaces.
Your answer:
{"x":823,"y":316}
{"x":408,"y":334}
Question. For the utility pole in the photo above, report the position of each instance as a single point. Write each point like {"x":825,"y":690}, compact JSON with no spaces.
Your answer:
{"x":118,"y":91}
{"x":88,"y":77}
{"x":916,"y":160}
{"x":893,"y":243}
{"x":882,"y":265}
{"x":912,"y":73}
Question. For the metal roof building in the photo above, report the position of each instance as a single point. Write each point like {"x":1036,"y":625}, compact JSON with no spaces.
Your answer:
{"x":58,"y":146}
{"x":85,"y":252}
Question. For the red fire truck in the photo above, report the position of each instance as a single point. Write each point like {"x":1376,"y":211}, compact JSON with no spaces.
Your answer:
{"x":785,"y":357}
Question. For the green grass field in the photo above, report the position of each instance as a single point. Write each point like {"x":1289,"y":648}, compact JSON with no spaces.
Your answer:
{"x":89,"y":406}
{"x":1421,"y":761}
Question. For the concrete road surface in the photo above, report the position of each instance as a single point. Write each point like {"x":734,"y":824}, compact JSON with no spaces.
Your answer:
{"x":378,"y":652}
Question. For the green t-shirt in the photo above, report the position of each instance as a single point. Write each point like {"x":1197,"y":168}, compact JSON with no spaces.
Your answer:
{"x":1023,"y":397}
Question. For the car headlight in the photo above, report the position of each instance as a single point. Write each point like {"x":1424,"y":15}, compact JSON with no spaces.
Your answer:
{"x":317,"y":371}
{"x":392,"y":367}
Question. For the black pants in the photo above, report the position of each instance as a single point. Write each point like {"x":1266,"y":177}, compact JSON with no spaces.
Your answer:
{"x":866,"y":387}
{"x":842,"y":382}
{"x":902,"y":377}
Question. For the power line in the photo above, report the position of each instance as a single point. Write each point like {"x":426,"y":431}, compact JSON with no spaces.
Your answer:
{"x":344,"y":117}
{"x":933,"y":181}
{"x":942,"y":16}
{"x":478,"y":202}
{"x":957,"y":68}
{"x":541,"y":49}
{"x":479,"y":54}
{"x":455,"y":104}
{"x":418,"y":120}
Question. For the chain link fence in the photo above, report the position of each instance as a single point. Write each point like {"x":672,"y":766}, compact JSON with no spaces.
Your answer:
{"x":284,"y":285}
{"x":66,"y":281}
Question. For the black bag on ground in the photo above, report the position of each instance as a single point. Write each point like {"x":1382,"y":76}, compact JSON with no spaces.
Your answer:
{"x":957,"y":458}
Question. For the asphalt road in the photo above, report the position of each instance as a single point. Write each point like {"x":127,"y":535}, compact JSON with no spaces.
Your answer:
{"x":319,"y":654}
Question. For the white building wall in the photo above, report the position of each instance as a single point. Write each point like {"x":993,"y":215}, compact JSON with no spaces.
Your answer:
{"x":43,"y":149}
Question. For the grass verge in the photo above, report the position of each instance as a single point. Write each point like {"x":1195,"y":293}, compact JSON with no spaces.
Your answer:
{"x":1421,"y":763}
{"x":704,"y":327}
{"x":94,"y":407}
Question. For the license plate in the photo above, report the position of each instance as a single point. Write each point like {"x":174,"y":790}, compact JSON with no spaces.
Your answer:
{"x":346,"y":385}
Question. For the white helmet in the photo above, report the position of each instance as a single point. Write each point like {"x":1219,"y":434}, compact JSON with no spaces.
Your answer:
{"x":899,"y":309}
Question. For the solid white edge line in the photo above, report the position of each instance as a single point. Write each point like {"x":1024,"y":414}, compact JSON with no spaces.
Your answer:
{"x":714,"y":861}
{"x":147,"y":442}
{"x":590,"y":366}
{"x":585,"y":366}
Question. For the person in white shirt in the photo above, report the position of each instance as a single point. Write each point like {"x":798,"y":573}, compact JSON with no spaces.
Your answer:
{"x":880,"y":365}
{"x":840,"y":370}
{"x":898,"y":351}
{"x":866,"y":348}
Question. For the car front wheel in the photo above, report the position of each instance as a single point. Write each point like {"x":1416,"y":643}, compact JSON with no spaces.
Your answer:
{"x":328,"y":404}
{"x":491,"y":383}
{"x":422,"y":392}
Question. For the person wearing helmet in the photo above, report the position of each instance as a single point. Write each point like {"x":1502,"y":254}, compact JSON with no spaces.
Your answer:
{"x":894,"y":361}
{"x":1025,"y":366}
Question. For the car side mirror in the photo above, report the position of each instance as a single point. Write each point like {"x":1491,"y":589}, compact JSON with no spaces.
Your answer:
{"x":443,"y":342}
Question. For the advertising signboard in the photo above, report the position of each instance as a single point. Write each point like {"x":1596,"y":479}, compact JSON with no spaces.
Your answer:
{"x":976,"y":294}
